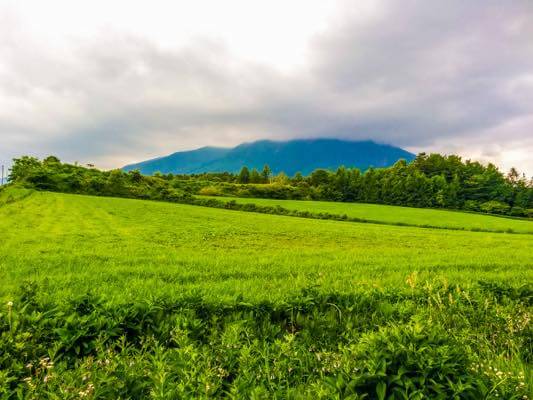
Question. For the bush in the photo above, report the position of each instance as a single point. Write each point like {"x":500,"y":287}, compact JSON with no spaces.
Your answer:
{"x":417,"y":360}
{"x":368,"y":344}
{"x":494,"y":207}
{"x":518,"y":212}
{"x":175,"y":195}
{"x":210,"y":191}
{"x":471,"y":205}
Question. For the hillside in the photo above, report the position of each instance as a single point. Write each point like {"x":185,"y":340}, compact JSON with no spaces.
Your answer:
{"x":290,"y":157}
{"x":119,"y":298}
{"x":395,"y":215}
{"x":125,"y":239}
{"x":166,"y":233}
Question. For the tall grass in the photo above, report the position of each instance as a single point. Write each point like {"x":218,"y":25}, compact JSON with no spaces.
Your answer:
{"x":114,"y":298}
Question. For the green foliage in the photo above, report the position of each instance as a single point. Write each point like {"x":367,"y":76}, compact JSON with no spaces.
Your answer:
{"x":210,"y":191}
{"x":244,"y":175}
{"x":429,"y":181}
{"x":495,"y":207}
{"x":120,"y":298}
{"x":52,"y":175}
{"x":255,"y":177}
{"x":368,"y":344}
{"x":266,"y":174}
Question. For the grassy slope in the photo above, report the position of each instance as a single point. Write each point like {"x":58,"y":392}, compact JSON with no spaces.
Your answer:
{"x":138,"y":248}
{"x":404,"y":215}
{"x":162,"y":319}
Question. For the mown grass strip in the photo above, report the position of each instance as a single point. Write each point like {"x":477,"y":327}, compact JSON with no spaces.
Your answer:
{"x":10,"y":195}
{"x":279,"y":210}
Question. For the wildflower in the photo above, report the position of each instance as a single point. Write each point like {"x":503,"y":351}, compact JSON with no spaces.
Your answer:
{"x":10,"y":304}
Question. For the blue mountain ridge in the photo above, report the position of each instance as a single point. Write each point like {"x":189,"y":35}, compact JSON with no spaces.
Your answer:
{"x":300,"y":155}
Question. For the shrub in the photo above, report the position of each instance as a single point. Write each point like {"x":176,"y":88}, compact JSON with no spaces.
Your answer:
{"x":518,"y":212}
{"x":411,"y":361}
{"x":471,"y":205}
{"x":494,"y":207}
{"x":367,"y":344}
{"x":210,"y":191}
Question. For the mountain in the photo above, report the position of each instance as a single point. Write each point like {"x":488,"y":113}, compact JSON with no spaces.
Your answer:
{"x":301,"y":155}
{"x":182,"y":162}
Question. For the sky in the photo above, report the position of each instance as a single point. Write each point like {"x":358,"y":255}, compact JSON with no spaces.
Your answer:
{"x":111,"y":82}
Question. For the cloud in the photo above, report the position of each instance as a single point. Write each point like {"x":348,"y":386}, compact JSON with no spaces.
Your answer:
{"x":450,"y":77}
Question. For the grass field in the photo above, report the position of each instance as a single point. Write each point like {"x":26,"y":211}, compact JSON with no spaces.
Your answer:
{"x":400,"y":215}
{"x":138,"y":247}
{"x":138,"y":299}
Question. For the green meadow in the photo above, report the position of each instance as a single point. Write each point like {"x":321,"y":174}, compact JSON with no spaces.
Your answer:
{"x":138,"y":248}
{"x":387,"y":214}
{"x":120,"y":298}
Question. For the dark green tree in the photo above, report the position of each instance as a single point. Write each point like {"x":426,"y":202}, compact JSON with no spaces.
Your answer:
{"x":319,"y":177}
{"x":297,"y":178}
{"x":255,"y":177}
{"x":244,"y":175}
{"x":266,"y":173}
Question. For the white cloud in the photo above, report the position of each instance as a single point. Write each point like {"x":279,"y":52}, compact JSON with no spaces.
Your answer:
{"x":113,"y":82}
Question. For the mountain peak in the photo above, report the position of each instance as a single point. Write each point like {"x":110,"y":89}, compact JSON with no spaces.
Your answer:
{"x":298,"y":155}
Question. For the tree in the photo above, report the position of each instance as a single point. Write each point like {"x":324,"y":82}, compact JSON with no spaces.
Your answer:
{"x":298,"y":178}
{"x":51,"y":160}
{"x":244,"y":175}
{"x":115,"y":183}
{"x":370,"y":186}
{"x":22,"y":168}
{"x":319,"y":177}
{"x":282,"y":179}
{"x":513,"y":176}
{"x":255,"y":177}
{"x":136,"y":177}
{"x":266,"y":173}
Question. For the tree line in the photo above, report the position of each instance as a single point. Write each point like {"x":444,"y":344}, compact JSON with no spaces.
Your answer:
{"x":429,"y":181}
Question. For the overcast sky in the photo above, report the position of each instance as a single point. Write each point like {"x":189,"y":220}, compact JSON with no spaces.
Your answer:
{"x":113,"y":82}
